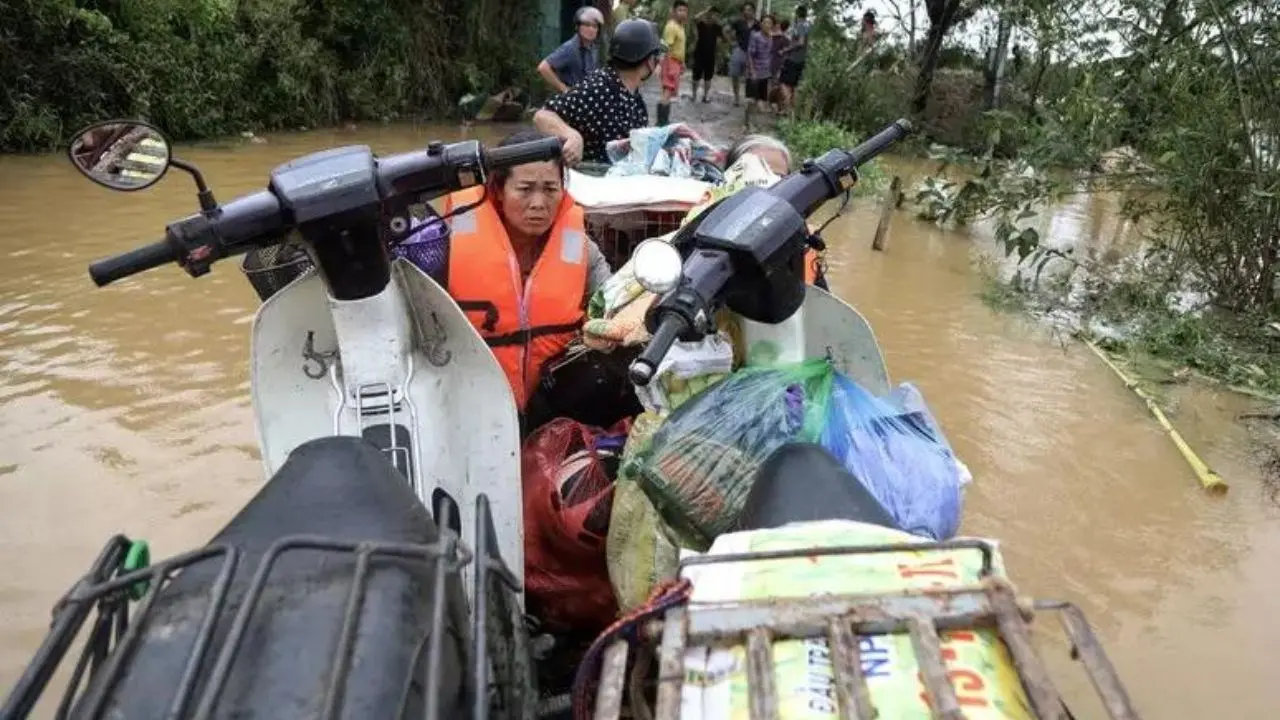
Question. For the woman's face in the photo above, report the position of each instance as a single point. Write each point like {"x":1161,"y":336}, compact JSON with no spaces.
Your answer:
{"x":589,"y":31}
{"x":766,"y":26}
{"x":531,"y":196}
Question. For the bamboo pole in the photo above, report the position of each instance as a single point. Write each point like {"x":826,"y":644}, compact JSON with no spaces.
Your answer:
{"x":886,"y":214}
{"x":1209,"y":479}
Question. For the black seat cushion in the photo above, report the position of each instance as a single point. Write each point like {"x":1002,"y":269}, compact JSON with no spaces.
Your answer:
{"x":802,"y":482}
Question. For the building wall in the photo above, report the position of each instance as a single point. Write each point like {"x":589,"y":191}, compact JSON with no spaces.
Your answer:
{"x":550,"y":31}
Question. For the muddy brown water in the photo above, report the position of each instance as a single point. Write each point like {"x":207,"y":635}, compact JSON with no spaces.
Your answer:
{"x":126,"y":410}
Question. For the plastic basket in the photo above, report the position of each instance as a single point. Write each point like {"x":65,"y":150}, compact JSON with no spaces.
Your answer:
{"x":269,"y":269}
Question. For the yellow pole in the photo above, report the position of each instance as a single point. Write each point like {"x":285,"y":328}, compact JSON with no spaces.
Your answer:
{"x":1209,"y":479}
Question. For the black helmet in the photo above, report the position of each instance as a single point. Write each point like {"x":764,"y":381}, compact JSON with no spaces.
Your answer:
{"x":635,"y":41}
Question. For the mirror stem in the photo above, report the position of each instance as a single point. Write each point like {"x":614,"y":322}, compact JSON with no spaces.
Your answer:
{"x":207,"y":204}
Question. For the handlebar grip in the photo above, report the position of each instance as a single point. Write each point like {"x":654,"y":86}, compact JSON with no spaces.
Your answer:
{"x":533,"y":151}
{"x":881,"y":141}
{"x":133,"y":262}
{"x":645,"y":366}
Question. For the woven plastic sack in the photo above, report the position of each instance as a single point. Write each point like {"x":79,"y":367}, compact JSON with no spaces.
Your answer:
{"x":704,"y":458}
{"x":568,"y":473}
{"x":895,"y":448}
{"x":638,"y":550}
{"x":978,"y":663}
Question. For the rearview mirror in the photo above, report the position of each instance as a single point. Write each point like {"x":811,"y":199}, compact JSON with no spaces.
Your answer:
{"x":657,"y":266}
{"x":122,"y":155}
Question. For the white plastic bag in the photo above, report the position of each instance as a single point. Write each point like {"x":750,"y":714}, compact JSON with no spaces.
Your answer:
{"x":687,"y":363}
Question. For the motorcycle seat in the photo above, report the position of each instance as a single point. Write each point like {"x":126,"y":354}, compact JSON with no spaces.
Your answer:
{"x":340,"y":488}
{"x":802,"y":482}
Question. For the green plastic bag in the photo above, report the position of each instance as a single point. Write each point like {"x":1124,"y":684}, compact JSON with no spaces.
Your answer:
{"x":702,"y":461}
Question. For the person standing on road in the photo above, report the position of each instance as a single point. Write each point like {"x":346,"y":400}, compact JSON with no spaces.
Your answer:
{"x":704,"y":50}
{"x":741,"y":28}
{"x":760,"y":64}
{"x":796,"y":55}
{"x":568,"y":64}
{"x":672,"y":67}
{"x":780,"y":42}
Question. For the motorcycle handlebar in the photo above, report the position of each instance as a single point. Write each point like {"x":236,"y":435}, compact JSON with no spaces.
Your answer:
{"x":820,"y":180}
{"x":132,"y":262}
{"x":643,"y":368}
{"x":880,"y":142}
{"x":258,"y":218}
{"x":824,"y":178}
{"x":500,"y":158}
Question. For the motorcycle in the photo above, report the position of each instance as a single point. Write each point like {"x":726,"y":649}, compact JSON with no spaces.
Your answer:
{"x":341,"y":589}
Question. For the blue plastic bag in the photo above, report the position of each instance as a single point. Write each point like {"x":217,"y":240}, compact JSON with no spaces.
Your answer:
{"x":896,"y":449}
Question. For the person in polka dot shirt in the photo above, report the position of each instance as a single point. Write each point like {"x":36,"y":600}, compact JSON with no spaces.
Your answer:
{"x":606,"y":105}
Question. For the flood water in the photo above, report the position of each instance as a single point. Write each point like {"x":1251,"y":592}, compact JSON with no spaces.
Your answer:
{"x":126,"y":409}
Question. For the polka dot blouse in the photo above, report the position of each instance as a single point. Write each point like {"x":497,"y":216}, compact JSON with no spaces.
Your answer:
{"x":601,"y":108}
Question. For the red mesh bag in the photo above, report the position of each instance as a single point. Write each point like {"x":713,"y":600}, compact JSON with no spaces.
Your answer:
{"x":568,"y":471}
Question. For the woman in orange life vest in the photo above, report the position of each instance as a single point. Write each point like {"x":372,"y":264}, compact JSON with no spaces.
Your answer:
{"x":520,"y":265}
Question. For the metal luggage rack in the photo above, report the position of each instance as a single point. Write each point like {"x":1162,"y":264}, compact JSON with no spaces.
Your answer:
{"x":618,"y":232}
{"x":922,"y":613}
{"x":505,"y":687}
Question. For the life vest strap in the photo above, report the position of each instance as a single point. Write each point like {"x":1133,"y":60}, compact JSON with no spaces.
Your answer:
{"x":522,"y":337}
{"x":487,"y":307}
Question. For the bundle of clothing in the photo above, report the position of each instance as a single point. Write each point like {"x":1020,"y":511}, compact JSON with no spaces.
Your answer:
{"x":674,"y":150}
{"x":616,"y":311}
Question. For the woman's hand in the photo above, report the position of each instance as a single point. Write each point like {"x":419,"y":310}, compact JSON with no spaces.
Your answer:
{"x":572,"y":150}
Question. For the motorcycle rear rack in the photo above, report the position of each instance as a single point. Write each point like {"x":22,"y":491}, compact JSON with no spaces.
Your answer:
{"x":505,"y":686}
{"x":841,"y":619}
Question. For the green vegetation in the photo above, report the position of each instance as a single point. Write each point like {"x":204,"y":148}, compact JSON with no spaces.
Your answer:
{"x":1217,"y":343}
{"x":200,"y":68}
{"x":1170,"y":103}
{"x":811,"y":138}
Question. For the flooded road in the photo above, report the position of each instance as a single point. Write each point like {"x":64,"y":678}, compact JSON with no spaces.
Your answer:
{"x":126,"y":410}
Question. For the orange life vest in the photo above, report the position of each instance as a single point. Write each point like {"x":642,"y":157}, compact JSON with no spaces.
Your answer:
{"x":812,"y":261}
{"x":525,"y":323}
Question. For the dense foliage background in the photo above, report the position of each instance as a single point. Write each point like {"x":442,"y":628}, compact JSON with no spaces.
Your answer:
{"x":207,"y":67}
